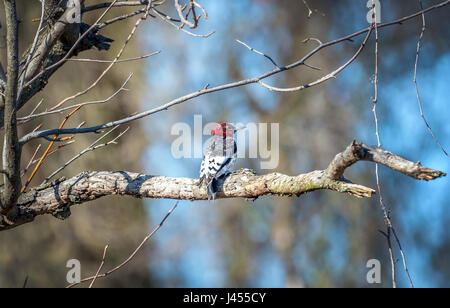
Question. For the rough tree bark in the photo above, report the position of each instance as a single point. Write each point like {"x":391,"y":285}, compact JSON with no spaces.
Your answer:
{"x":11,"y":148}
{"x":57,"y":197}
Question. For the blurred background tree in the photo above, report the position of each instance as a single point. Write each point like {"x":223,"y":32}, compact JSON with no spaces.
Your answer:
{"x":322,"y":239}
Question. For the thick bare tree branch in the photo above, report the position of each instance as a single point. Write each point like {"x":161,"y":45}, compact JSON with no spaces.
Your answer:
{"x":358,"y":151}
{"x":56,"y":198}
{"x":11,"y":148}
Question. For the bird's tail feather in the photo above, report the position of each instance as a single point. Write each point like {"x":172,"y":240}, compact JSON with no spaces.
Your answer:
{"x":212,"y":190}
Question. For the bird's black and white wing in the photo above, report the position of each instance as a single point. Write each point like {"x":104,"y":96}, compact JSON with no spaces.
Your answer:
{"x":214,"y":167}
{"x":220,"y":156}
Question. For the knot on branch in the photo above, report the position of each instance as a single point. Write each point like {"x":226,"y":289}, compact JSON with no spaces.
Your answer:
{"x":358,"y":150}
{"x":63,"y":212}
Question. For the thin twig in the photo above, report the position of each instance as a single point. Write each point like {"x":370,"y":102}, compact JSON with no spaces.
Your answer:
{"x":100,"y":267}
{"x":324,"y":78}
{"x":118,"y":61}
{"x":53,"y":151}
{"x":387,"y":218}
{"x":184,"y":20}
{"x":91,"y":147}
{"x":310,"y":11}
{"x":171,"y":21}
{"x":405,"y":266}
{"x":31,"y":160}
{"x":308,"y":8}
{"x":25,"y":282}
{"x":117,"y":4}
{"x":24,"y":187}
{"x":122,"y":17}
{"x":57,"y":111}
{"x":258,"y":52}
{"x":127,"y":260}
{"x":33,"y":49}
{"x":419,"y":43}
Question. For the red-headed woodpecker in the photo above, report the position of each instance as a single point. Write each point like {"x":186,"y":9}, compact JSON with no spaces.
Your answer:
{"x":219,"y":157}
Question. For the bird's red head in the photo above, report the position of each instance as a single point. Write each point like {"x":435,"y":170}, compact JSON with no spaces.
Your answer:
{"x":224,"y":129}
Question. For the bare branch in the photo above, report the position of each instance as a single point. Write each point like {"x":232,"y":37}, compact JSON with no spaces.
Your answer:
{"x":30,"y":162}
{"x":179,"y":9}
{"x":33,"y":49}
{"x":11,"y":147}
{"x":357,"y":151}
{"x":259,"y":53}
{"x":42,"y":51}
{"x":47,"y":151}
{"x":387,"y":218}
{"x":171,"y":21}
{"x":117,"y":4}
{"x":92,"y":147}
{"x":308,"y":8}
{"x":306,"y":40}
{"x":127,"y":260}
{"x":324,"y":78}
{"x":122,"y":17}
{"x":118,"y":61}
{"x":56,"y":198}
{"x":57,"y":111}
{"x":99,"y":268}
{"x":34,"y":161}
{"x":419,"y":101}
{"x":405,"y":267}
